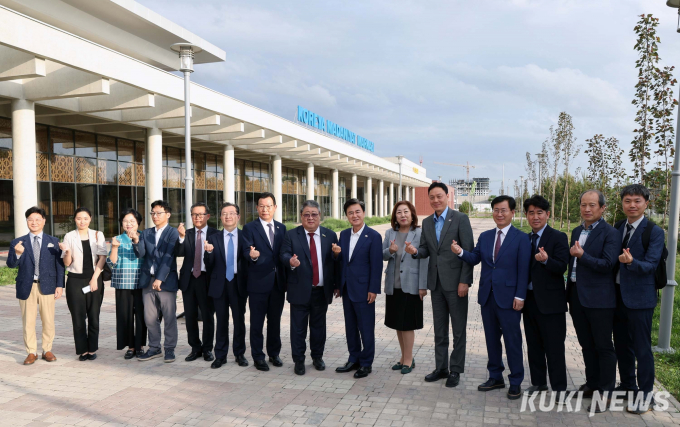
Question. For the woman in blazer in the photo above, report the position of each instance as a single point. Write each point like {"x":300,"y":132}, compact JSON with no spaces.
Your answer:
{"x":84,"y":254}
{"x":405,"y":282}
{"x":125,"y":268}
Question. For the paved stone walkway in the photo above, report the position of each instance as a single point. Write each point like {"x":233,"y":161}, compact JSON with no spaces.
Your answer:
{"x":114,"y":392}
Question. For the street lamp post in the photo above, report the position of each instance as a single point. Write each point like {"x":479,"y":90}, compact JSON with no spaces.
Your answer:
{"x":400,"y":158}
{"x":540,"y":181}
{"x":521,"y":196}
{"x":186,"y":66}
{"x":667,"y":297}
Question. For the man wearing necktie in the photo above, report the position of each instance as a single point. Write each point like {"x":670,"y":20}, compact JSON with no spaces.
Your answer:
{"x":261,"y":246}
{"x":194,"y":283}
{"x":545,"y":320}
{"x":226,"y":268}
{"x":643,"y":248}
{"x":308,"y":256}
{"x":504,"y":253}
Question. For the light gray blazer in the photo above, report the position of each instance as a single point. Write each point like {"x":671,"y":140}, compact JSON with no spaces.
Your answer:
{"x":413,"y":271}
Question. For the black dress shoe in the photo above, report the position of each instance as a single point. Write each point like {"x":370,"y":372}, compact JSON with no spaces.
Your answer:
{"x":363,"y":372}
{"x":514,"y":392}
{"x":587,"y":391}
{"x":208,"y":356}
{"x":193,"y":356}
{"x":92,"y":356}
{"x":261,"y":365}
{"x":129,"y":354}
{"x":241,"y":360}
{"x":437,"y":375}
{"x":82,"y":357}
{"x":348,"y":367}
{"x":276,"y":361}
{"x":453,"y":380}
{"x":537,"y":389}
{"x":300,"y":368}
{"x":218,"y":363}
{"x":140,"y":353}
{"x":624,"y":391}
{"x":599,"y":407}
{"x":491,"y":384}
{"x":318,"y":364}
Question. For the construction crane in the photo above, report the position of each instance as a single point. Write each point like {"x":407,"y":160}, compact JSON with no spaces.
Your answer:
{"x":467,"y":166}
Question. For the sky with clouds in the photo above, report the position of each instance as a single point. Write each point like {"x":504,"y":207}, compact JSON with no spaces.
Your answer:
{"x":451,"y":81}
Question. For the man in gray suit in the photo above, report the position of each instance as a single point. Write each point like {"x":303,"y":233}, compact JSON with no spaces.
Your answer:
{"x":448,"y":279}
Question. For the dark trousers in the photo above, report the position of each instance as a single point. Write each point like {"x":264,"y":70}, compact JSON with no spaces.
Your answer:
{"x":545,"y":334}
{"x":447,"y":305}
{"x":130,"y":316}
{"x":84,"y":310}
{"x":230,"y":300}
{"x":269,"y":306}
{"x":359,"y":329}
{"x":312,"y":314}
{"x":633,"y":341}
{"x":195,"y":297}
{"x":503,"y":322}
{"x":594,"y":327}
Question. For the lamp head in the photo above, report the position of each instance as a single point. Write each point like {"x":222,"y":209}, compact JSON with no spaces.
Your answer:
{"x":186,"y":55}
{"x":673,"y":3}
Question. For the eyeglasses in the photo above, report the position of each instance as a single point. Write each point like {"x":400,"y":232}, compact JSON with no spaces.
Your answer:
{"x":310,"y":215}
{"x":133,"y":222}
{"x":157,"y":213}
{"x":229,"y":214}
{"x":501,"y":211}
{"x":265,"y":207}
{"x":198,"y":215}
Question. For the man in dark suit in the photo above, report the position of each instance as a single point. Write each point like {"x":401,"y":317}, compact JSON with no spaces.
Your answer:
{"x":39,"y":282}
{"x":360,"y":258}
{"x":504,"y":253}
{"x":595,"y":246}
{"x":227,"y":271}
{"x":636,"y":298}
{"x":307,"y":254}
{"x":158,"y":280}
{"x":545,"y":307}
{"x":194,"y":282}
{"x":261,"y":246}
{"x":449,"y":279}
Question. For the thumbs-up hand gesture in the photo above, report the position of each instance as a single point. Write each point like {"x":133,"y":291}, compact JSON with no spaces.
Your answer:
{"x":455,"y":248}
{"x":19,"y":248}
{"x":626,"y":257}
{"x":181,"y":230}
{"x":208,"y":247}
{"x":541,"y":256}
{"x":133,"y":236}
{"x":576,"y":250}
{"x":410,"y":249}
{"x":294,"y":261}
{"x":63,"y":246}
{"x":336,"y":249}
{"x":254,"y":254}
{"x":114,"y":242}
{"x":393,"y":247}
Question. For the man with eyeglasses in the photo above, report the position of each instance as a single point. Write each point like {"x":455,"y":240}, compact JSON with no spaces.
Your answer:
{"x":194,"y":282}
{"x":158,"y":279}
{"x":227,"y":272}
{"x":261,"y":246}
{"x":312,"y":271}
{"x":505,"y":254}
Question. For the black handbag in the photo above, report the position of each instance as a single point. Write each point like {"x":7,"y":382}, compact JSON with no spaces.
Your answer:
{"x":106,"y":272}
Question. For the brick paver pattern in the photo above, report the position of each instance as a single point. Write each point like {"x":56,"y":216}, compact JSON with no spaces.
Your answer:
{"x":111,"y":391}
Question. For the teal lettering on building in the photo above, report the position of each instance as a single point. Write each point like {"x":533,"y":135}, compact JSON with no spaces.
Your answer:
{"x":314,"y":120}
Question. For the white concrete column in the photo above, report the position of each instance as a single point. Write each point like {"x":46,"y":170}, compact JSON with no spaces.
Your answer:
{"x":354,"y":193}
{"x":335,"y":193}
{"x":381,"y":196}
{"x":154,"y":170}
{"x":278,"y":187}
{"x":368,"y":191}
{"x":390,"y":205}
{"x":229,"y":189}
{"x":24,"y":165}
{"x":310,"y":181}
{"x":413,"y":195}
{"x":407,"y":193}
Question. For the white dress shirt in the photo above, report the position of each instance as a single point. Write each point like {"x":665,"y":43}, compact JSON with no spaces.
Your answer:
{"x":319,"y":262}
{"x":265,"y":226}
{"x":234,"y":239}
{"x":635,"y":226}
{"x":204,"y":232}
{"x":354,"y":238}
{"x":159,"y":231}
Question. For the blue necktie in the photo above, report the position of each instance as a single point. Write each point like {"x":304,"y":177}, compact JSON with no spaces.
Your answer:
{"x":230,"y":258}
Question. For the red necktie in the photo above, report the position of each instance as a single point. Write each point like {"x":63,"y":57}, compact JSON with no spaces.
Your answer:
{"x":315,"y":261}
{"x":497,"y":248}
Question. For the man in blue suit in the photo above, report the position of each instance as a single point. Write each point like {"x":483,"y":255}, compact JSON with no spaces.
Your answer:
{"x":158,"y":280}
{"x":261,"y":247}
{"x":595,"y":246}
{"x":39,"y":282}
{"x":360,"y":257}
{"x":505,"y":254}
{"x":636,"y":297}
{"x":308,"y":256}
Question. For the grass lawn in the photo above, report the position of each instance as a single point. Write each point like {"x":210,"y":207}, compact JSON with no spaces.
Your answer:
{"x":7,"y":276}
{"x":667,"y":366}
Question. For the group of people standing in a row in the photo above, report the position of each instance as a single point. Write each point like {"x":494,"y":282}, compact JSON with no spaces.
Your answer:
{"x":610,"y":287}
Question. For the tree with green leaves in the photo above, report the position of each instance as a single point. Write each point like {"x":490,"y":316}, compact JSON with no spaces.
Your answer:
{"x":554,"y":148}
{"x":567,"y":142}
{"x":605,"y":170}
{"x":664,"y":134}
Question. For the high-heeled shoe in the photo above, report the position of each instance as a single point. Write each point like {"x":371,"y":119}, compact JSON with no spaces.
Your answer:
{"x":408,"y":369}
